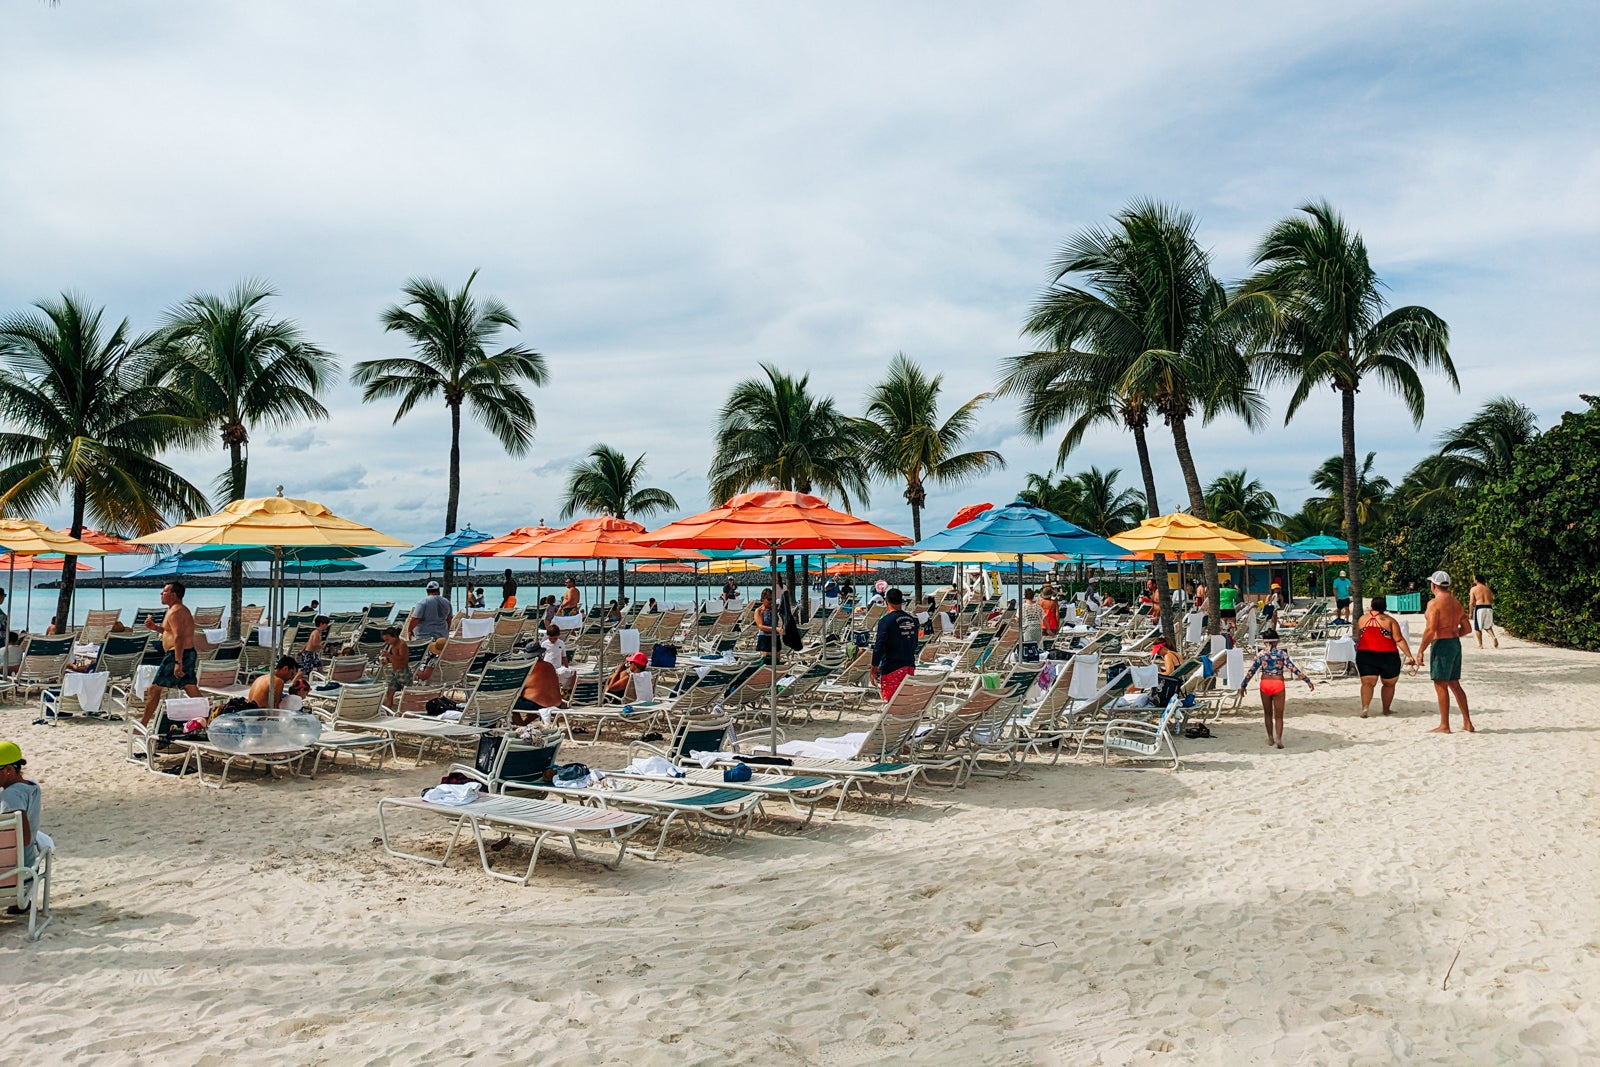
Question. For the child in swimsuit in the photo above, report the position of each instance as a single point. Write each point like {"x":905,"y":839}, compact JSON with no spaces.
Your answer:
{"x":1273,"y":662}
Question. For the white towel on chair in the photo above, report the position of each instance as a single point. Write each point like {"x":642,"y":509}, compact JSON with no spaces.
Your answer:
{"x":477,"y":627}
{"x":1219,"y":645}
{"x":843,"y":747}
{"x":186,"y":709}
{"x":1341,"y":650}
{"x":90,"y":689}
{"x":143,"y":678}
{"x":1235,"y":668}
{"x":628,"y":641}
{"x":1146,"y":677}
{"x":1085,"y":680}
{"x":1193,"y":624}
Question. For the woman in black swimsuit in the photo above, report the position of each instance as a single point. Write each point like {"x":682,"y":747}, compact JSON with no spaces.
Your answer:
{"x":1379,"y":641}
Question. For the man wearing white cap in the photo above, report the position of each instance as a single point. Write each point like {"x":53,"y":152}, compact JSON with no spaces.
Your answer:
{"x":430,"y":619}
{"x":1446,"y":624}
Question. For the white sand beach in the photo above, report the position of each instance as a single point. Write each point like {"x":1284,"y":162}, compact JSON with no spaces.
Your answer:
{"x":1256,"y":907}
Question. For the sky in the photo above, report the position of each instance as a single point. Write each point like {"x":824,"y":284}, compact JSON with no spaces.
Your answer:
{"x":668,"y":195}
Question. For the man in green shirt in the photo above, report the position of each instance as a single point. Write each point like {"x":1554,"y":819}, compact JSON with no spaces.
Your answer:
{"x":1228,"y":603}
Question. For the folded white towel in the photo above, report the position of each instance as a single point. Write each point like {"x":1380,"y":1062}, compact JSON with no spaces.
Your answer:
{"x":656,"y":767}
{"x":454,"y":795}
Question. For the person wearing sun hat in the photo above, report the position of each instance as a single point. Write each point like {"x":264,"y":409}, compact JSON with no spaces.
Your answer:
{"x":19,"y":794}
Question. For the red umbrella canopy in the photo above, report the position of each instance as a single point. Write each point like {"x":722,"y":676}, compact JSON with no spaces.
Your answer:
{"x":601,"y":538}
{"x":111,"y":543}
{"x":967,"y":514}
{"x":665,"y":568}
{"x":502,"y":545}
{"x":774,"y":519}
{"x":34,"y":563}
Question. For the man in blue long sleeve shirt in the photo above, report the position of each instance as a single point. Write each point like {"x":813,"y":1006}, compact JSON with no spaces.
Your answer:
{"x":894,"y":649}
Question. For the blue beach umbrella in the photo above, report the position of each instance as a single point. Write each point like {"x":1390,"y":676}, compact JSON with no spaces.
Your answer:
{"x":421,"y":565}
{"x":174,"y":566}
{"x":1019,"y":530}
{"x":1323,"y":544}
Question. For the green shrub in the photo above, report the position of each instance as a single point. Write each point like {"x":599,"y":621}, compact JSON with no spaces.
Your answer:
{"x":1409,"y":553}
{"x":1535,"y":536}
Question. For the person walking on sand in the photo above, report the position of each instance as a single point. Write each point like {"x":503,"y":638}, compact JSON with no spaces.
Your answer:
{"x":1446,"y":625}
{"x":1273,"y":662}
{"x":1341,"y":596}
{"x":1482,"y":600}
{"x":177,"y":670}
{"x":1379,"y":641}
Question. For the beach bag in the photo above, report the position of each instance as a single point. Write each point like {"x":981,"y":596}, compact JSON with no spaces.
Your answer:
{"x":663,"y":655}
{"x":791,"y":635}
{"x":440,"y":705}
{"x":1164,"y":690}
{"x":488,"y":749}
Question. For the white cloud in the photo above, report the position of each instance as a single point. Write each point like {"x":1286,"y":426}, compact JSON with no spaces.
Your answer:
{"x":667,"y":195}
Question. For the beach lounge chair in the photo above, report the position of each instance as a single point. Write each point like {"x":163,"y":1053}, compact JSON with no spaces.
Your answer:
{"x":490,"y":701}
{"x":197,"y":752}
{"x":503,"y":758}
{"x":25,"y":886}
{"x":1140,"y":739}
{"x":345,"y":670}
{"x":97,"y":626}
{"x":455,"y":660}
{"x":349,"y":725}
{"x":801,"y":792}
{"x":521,"y":817}
{"x":697,"y":806}
{"x":942,"y":743}
{"x":409,"y":720}
{"x":859,"y":760}
{"x":44,"y":659}
{"x":379,"y":613}
{"x":120,"y":655}
{"x":219,"y":680}
{"x":207,"y":618}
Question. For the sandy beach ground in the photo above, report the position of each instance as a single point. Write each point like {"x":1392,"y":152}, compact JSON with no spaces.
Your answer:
{"x":1258,"y":906}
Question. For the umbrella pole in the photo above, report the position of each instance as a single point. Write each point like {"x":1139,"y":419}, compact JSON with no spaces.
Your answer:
{"x":30,"y":600}
{"x":772,"y":651}
{"x":102,"y":583}
{"x":11,"y":599}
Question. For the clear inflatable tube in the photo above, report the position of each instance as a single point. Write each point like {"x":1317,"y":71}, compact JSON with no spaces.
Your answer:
{"x":263,"y":730}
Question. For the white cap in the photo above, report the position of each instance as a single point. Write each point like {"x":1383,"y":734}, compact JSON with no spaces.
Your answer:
{"x":1440,"y":579}
{"x":433,"y":587}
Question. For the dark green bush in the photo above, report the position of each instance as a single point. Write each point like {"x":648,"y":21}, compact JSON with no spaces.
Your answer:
{"x":1408,"y":553}
{"x":1535,"y":536}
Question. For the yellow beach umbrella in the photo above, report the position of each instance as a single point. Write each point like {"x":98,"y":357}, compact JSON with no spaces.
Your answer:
{"x":25,"y":537}
{"x":734,"y":566}
{"x":279,"y":524}
{"x":1183,"y":534}
{"x":273,"y":522}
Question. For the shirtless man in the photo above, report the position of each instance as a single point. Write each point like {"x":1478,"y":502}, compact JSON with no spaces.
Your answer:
{"x":1446,"y":624}
{"x":177,"y":637}
{"x":1482,"y":601}
{"x":569,"y":601}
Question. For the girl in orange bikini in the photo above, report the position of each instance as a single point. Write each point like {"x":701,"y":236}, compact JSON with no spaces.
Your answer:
{"x":1272,"y":662}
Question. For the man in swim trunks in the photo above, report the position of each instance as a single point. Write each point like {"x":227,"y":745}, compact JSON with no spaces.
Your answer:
{"x":1379,"y":643}
{"x":1447,"y":622}
{"x":1482,"y":601}
{"x":177,"y":668}
{"x":1341,"y":596}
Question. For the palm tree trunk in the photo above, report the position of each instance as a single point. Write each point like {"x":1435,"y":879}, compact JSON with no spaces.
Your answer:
{"x":1352,"y":520}
{"x":805,"y":587}
{"x":453,"y":503}
{"x":237,"y":474}
{"x":69,"y":564}
{"x":1158,"y":566}
{"x":1197,"y":507}
{"x":916,"y":568}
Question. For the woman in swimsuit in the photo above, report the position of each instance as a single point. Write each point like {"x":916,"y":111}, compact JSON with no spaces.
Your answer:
{"x":1379,"y":642}
{"x":1272,"y":662}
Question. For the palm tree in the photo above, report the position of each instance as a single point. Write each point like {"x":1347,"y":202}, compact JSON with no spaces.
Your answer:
{"x":1101,"y":507}
{"x":1043,"y":491}
{"x":774,"y":432}
{"x":1372,"y":492}
{"x":905,"y":439}
{"x":86,"y":421}
{"x":449,"y":334}
{"x":241,"y":369}
{"x":1482,"y":449}
{"x":608,"y":484}
{"x":1324,"y":324}
{"x":1240,"y":502}
{"x":1150,"y":330}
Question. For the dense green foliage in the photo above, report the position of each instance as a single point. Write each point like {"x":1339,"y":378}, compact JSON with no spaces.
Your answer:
{"x":1409,"y":552}
{"x":1535,"y":535}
